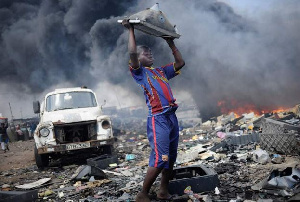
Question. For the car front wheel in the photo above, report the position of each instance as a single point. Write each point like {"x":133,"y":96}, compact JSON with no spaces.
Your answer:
{"x":42,"y":160}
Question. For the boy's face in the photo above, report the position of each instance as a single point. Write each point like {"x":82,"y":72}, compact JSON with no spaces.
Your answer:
{"x":146,"y":58}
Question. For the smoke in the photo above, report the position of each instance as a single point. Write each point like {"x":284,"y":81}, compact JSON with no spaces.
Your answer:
{"x":241,"y":60}
{"x":229,"y":56}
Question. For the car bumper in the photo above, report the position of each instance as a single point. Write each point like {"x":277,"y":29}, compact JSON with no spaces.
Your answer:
{"x":74,"y":146}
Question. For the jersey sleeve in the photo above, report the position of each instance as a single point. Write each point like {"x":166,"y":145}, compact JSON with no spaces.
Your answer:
{"x":137,"y":74}
{"x":170,"y":71}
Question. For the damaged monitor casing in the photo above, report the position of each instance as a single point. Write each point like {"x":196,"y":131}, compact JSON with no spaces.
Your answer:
{"x":154,"y":22}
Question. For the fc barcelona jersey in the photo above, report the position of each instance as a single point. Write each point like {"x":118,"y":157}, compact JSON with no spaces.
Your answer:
{"x":155,"y":84}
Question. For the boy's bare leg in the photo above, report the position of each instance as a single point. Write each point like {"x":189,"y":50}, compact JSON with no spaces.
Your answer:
{"x":151,"y":176}
{"x":163,"y":192}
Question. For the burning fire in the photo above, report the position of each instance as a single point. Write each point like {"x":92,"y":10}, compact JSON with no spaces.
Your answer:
{"x":240,"y":108}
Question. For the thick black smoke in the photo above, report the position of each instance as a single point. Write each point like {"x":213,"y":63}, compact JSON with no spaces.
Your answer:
{"x":244,"y":61}
{"x":229,"y":57}
{"x":47,"y":42}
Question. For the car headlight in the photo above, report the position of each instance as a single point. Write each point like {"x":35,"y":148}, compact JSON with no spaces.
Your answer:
{"x":44,"y":132}
{"x":105,"y":124}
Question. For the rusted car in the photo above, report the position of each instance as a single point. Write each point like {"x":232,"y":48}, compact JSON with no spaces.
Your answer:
{"x":71,"y":123}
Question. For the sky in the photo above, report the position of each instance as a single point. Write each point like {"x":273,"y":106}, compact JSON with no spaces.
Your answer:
{"x":237,"y":52}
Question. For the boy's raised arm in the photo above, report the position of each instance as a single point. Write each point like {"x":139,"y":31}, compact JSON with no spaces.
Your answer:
{"x":131,"y":45}
{"x":179,"y":62}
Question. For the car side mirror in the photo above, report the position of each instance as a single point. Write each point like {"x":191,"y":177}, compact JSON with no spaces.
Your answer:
{"x":104,"y":102}
{"x":36,"y":107}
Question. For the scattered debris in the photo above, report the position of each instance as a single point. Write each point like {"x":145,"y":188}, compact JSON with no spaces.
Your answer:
{"x":228,"y":158}
{"x":24,"y":196}
{"x":34,"y":184}
{"x":102,"y":161}
{"x":261,"y":156}
{"x":200,"y":178}
{"x":284,"y":183}
{"x":85,"y":172}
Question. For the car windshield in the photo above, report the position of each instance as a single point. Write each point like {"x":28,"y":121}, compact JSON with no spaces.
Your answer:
{"x":70,"y":100}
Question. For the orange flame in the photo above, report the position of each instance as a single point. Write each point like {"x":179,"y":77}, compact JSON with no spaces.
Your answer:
{"x":240,"y":108}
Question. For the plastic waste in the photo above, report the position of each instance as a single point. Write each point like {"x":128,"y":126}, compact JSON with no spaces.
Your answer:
{"x":217,"y":192}
{"x":129,"y":157}
{"x":284,"y":183}
{"x":61,"y":194}
{"x":190,"y":193}
{"x":261,"y":156}
{"x":187,"y":156}
{"x":92,"y":179}
{"x":287,"y":178}
{"x":277,"y":159}
{"x":221,"y":135}
{"x":124,"y":197}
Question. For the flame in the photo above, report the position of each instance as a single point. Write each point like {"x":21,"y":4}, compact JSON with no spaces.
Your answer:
{"x":281,"y":109}
{"x":228,"y":106}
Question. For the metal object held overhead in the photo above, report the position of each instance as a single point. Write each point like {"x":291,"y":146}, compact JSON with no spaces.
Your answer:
{"x":154,"y":22}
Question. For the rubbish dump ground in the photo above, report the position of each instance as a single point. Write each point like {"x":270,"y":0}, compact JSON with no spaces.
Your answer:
{"x":239,"y":165}
{"x":20,"y":155}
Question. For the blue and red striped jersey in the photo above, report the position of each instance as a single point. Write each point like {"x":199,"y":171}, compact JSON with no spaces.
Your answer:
{"x":155,"y":84}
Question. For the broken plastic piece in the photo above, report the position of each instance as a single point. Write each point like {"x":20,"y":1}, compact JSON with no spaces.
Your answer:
{"x":154,"y":22}
{"x":102,"y":161}
{"x":287,"y":178}
{"x":284,"y":183}
{"x":61,"y":194}
{"x":84,"y":171}
{"x":199,"y":177}
{"x":277,"y":159}
{"x":129,"y":157}
{"x":217,"y":192}
{"x":34,"y":184}
{"x":81,"y":171}
{"x":261,"y":156}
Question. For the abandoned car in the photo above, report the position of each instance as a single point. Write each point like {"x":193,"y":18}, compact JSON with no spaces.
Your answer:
{"x":71,"y":122}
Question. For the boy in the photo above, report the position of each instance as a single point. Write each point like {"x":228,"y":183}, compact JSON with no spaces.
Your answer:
{"x":162,"y":124}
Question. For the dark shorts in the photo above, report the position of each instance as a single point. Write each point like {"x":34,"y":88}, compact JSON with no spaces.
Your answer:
{"x":163,"y":135}
{"x":4,"y":138}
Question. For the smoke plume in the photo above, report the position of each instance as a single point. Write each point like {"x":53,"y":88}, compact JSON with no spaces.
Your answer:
{"x":229,"y":57}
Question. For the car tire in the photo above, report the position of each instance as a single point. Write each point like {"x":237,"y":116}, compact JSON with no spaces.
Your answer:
{"x":42,"y":160}
{"x":108,"y":149}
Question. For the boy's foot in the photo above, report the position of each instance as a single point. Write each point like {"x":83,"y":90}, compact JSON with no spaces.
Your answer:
{"x":164,"y":196}
{"x":142,"y":197}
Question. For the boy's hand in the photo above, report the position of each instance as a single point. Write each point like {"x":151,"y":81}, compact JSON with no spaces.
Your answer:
{"x":126,"y":24}
{"x":169,"y":40}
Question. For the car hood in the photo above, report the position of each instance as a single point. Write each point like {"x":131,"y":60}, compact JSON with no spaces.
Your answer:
{"x":72,"y":115}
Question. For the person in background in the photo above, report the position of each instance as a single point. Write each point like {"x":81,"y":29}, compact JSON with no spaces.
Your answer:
{"x":4,"y":137}
{"x":32,"y":129}
{"x":19,"y":132}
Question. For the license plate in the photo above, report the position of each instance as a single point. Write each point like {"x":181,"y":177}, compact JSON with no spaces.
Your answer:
{"x":78,"y":146}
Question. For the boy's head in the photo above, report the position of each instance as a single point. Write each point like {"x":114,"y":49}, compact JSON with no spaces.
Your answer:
{"x":145,"y":56}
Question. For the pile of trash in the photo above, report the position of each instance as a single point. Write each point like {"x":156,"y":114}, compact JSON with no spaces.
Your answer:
{"x":228,"y":158}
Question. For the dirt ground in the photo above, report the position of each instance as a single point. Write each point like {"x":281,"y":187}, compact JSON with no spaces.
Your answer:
{"x":17,"y":166}
{"x":20,"y":155}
